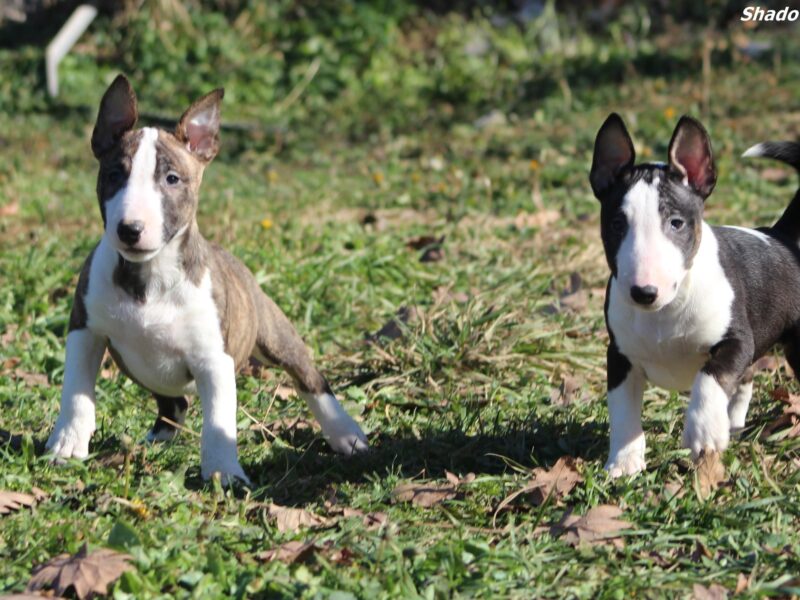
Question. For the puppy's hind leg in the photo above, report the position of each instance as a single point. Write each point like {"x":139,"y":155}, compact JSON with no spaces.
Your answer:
{"x":740,"y":401}
{"x":170,"y":411}
{"x":277,"y":342}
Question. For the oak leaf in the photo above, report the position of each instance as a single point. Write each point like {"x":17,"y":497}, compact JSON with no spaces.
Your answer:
{"x":600,"y":525}
{"x":709,"y":473}
{"x":88,"y":573}
{"x":424,"y":494}
{"x":293,"y":519}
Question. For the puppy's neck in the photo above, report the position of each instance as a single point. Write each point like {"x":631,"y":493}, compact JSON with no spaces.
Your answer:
{"x":181,"y":259}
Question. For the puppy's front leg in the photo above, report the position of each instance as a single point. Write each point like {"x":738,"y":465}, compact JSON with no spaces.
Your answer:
{"x":76,"y":420}
{"x":625,"y":390}
{"x":216,"y":386}
{"x":707,"y":420}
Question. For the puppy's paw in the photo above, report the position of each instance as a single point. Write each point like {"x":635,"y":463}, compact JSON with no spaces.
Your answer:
{"x":628,"y":460}
{"x":163,"y":434}
{"x":230,"y":473}
{"x":346,"y":437}
{"x":706,"y":432}
{"x":70,"y":439}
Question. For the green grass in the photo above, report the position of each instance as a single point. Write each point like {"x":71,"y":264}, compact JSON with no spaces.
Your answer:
{"x":467,"y":389}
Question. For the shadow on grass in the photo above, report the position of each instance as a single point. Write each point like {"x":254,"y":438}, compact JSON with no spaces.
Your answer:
{"x":296,"y":478}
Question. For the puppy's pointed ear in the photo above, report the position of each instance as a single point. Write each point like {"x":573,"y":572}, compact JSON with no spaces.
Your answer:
{"x":117,"y":115}
{"x":613,"y":153}
{"x":690,"y":156}
{"x":199,"y":126}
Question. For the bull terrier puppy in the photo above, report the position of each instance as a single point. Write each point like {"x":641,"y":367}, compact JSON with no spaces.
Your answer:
{"x":178,"y":314}
{"x":688,"y":306}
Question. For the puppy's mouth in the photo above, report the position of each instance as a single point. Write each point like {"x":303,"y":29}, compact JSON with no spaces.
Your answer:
{"x":137,"y":254}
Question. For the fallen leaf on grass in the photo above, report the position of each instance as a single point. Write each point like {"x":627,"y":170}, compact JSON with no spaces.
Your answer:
{"x":373,"y":520}
{"x":709,"y":473}
{"x":712,"y":592}
{"x":424,"y":494}
{"x":600,"y":525}
{"x":289,"y":553}
{"x":790,"y":418}
{"x":292,"y":519}
{"x":9,"y":334}
{"x":30,"y":379}
{"x":88,"y":573}
{"x":393,"y":329}
{"x":776,"y":174}
{"x":768,"y":363}
{"x":556,"y":482}
{"x":742,"y":584}
{"x":541,"y":218}
{"x":567,"y":392}
{"x":13,"y":501}
{"x":456,"y":480}
{"x":10,"y":209}
{"x":432,"y":250}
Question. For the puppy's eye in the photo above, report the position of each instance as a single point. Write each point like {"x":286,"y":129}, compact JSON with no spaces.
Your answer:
{"x":676,"y":223}
{"x":172,"y":179}
{"x":618,"y":224}
{"x":115,"y":175}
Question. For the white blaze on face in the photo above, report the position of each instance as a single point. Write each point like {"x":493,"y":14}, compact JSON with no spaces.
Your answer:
{"x":646,"y":257}
{"x":139,"y":200}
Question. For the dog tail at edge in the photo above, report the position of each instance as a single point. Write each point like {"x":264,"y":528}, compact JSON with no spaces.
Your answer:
{"x":789,"y":153}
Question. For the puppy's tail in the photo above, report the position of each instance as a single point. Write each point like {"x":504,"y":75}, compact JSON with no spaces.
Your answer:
{"x":789,"y":153}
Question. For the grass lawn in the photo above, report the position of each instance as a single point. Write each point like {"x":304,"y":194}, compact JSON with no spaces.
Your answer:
{"x":469,"y":383}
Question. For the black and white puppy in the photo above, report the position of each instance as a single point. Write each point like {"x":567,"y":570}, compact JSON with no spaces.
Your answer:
{"x":178,"y":314}
{"x":688,"y":306}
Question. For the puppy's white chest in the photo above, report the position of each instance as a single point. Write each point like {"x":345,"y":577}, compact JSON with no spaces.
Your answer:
{"x":160,"y":339}
{"x":672,"y":344}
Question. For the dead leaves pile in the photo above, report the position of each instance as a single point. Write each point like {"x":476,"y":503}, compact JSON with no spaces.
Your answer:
{"x":87,"y":573}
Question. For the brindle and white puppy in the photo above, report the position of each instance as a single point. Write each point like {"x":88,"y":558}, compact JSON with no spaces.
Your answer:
{"x":689,"y":306}
{"x":178,"y":314}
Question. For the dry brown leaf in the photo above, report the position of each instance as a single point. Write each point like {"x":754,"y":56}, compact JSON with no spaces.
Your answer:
{"x":556,"y":482}
{"x":88,"y":573}
{"x":574,"y":298}
{"x":13,"y":501}
{"x":742,"y":584}
{"x":674,"y":489}
{"x":423,"y":494}
{"x":23,"y":597}
{"x":284,"y":392}
{"x":373,"y":520}
{"x":768,"y":363}
{"x":710,"y":472}
{"x":9,"y":334}
{"x":789,"y":419}
{"x":567,"y":392}
{"x":443,"y":294}
{"x":542,"y":218}
{"x":776,"y":174}
{"x":30,"y":379}
{"x":293,"y":519}
{"x":290,"y":552}
{"x":10,"y":209}
{"x":456,"y":480}
{"x":712,"y":592}
{"x":600,"y":525}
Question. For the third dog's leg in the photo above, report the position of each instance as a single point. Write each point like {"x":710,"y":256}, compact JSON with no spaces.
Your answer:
{"x":279,"y":343}
{"x":173,"y":409}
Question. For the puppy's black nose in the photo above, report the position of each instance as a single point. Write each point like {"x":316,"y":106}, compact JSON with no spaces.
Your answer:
{"x":644,"y":295}
{"x":129,"y":232}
